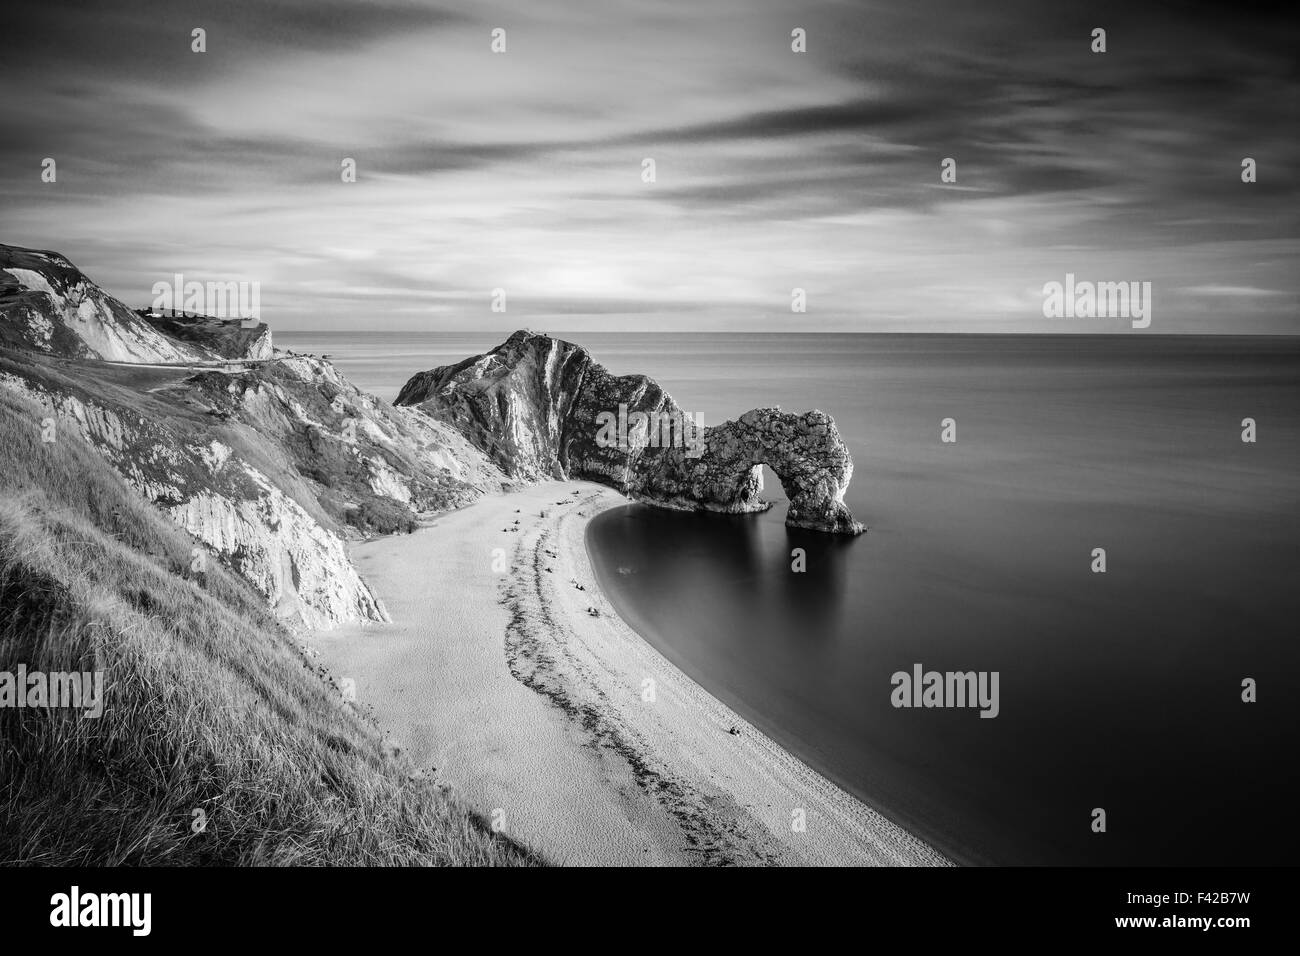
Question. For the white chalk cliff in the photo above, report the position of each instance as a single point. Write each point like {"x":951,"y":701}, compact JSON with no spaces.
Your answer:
{"x":272,"y":468}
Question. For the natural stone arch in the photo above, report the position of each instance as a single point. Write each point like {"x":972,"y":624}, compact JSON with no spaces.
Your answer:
{"x":805,"y":452}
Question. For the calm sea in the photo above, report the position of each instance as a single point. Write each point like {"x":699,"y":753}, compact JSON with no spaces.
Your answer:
{"x":1118,"y":690}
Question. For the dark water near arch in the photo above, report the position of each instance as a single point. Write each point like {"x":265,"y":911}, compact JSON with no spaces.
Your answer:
{"x":1117,"y":690}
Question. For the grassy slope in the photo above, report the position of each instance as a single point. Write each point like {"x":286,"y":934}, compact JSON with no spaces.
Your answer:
{"x":209,"y":703}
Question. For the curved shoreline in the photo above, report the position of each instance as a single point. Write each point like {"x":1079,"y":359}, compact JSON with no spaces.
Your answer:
{"x":841,"y":829}
{"x":612,"y":754}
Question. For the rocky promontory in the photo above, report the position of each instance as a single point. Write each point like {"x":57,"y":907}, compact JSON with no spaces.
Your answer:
{"x":538,"y":406}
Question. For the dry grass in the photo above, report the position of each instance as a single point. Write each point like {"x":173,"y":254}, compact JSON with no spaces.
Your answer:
{"x":209,"y":704}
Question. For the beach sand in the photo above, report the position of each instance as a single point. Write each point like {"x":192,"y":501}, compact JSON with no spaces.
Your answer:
{"x":538,"y":714}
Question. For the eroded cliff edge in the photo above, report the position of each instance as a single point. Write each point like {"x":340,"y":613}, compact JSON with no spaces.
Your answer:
{"x":538,"y":407}
{"x":272,"y":462}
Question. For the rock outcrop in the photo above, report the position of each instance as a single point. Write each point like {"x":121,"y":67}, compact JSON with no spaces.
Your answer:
{"x":47,"y":305}
{"x":538,"y":406}
{"x":219,"y":338}
{"x":512,"y":402}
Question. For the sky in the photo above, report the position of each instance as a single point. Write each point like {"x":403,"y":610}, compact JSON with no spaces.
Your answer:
{"x":523,"y":170}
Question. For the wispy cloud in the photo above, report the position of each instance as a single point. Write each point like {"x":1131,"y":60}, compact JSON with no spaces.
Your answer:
{"x":1235,"y":291}
{"x":774,"y":169}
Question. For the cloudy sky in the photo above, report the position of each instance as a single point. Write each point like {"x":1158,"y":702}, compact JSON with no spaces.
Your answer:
{"x":774,"y":169}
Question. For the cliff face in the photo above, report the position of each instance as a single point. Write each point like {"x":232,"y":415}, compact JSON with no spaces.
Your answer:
{"x":539,"y":406}
{"x":512,"y":402}
{"x":271,"y":468}
{"x":47,"y":305}
{"x":228,"y":505}
{"x":218,"y":338}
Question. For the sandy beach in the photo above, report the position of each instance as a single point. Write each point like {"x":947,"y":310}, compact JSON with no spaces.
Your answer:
{"x":564,"y":725}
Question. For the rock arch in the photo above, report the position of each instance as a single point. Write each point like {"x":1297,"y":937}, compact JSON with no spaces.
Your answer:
{"x":536,"y":406}
{"x":805,"y":452}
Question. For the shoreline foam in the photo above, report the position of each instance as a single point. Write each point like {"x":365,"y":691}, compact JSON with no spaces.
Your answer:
{"x":534,"y":709}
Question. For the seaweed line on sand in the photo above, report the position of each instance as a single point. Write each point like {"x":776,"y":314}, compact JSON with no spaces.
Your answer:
{"x":538,"y":654}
